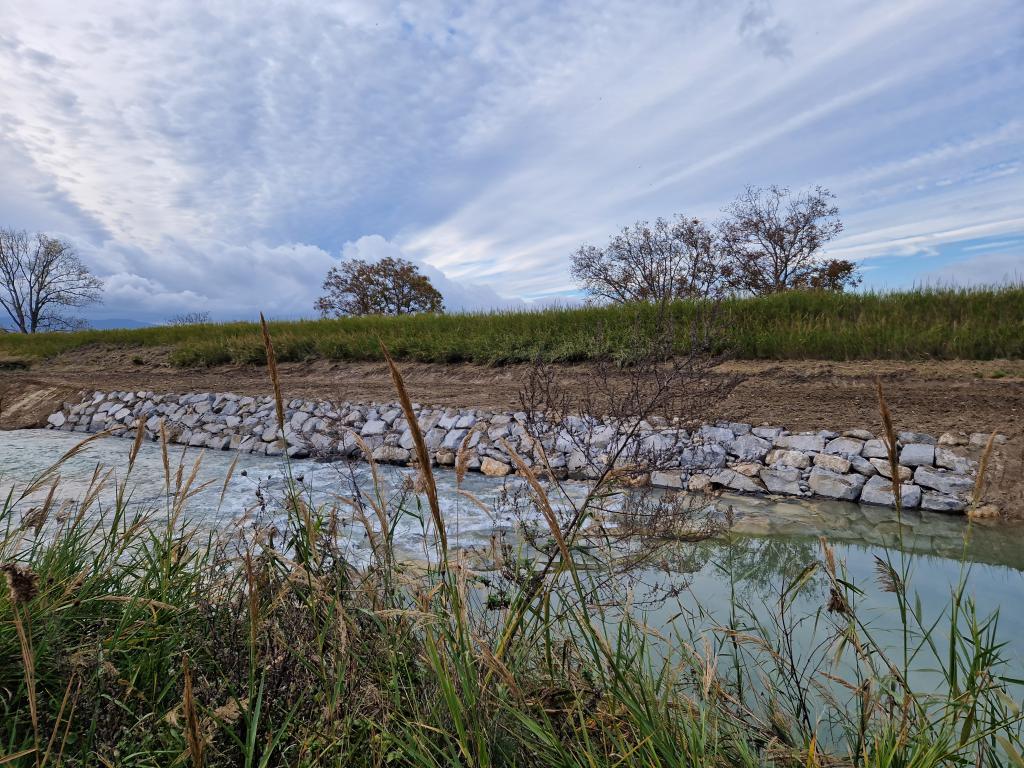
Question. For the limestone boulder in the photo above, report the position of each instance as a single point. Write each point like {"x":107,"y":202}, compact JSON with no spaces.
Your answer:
{"x":884,"y":468}
{"x":940,"y":502}
{"x":807,"y":443}
{"x":667,"y":479}
{"x":847,"y":447}
{"x":749,"y":447}
{"x":945,"y":482}
{"x":879,"y":491}
{"x":833,"y":463}
{"x":493,"y":468}
{"x":832,"y":485}
{"x":786,"y":458}
{"x":784,"y":480}
{"x":917,"y":455}
{"x":735,"y":481}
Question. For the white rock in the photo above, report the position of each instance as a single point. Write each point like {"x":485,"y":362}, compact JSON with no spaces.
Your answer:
{"x":785,"y":480}
{"x":56,"y":420}
{"x":944,"y":481}
{"x":811,"y":443}
{"x":885,"y":469}
{"x":493,"y":468}
{"x":832,"y":485}
{"x":874,"y":449}
{"x":375,"y":427}
{"x":846,"y":447}
{"x":787,"y":458}
{"x":736,"y":481}
{"x":391,"y":454}
{"x":859,"y":434}
{"x":833,"y":463}
{"x":716,"y":434}
{"x":666,"y":479}
{"x":917,"y":455}
{"x":940,"y":502}
{"x":948,"y":459}
{"x":749,"y":447}
{"x":878,"y":490}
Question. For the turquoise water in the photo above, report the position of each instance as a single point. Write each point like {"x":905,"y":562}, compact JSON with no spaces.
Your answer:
{"x":690,"y":588}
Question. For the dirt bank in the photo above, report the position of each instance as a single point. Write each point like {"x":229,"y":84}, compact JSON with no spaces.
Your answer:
{"x":932,"y":397}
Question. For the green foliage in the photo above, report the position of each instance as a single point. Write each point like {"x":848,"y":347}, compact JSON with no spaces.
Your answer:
{"x":944,"y":324}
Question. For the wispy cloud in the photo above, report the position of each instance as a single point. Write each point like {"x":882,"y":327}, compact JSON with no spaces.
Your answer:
{"x":216,"y":157}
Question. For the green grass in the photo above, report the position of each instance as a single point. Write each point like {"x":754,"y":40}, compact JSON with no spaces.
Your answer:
{"x":974,"y":324}
{"x":128,"y":637}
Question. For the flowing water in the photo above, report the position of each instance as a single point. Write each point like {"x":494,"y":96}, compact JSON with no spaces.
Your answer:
{"x":769,"y":545}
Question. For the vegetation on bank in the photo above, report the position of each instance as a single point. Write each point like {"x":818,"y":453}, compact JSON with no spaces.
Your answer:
{"x":947,"y":323}
{"x":129,"y":638}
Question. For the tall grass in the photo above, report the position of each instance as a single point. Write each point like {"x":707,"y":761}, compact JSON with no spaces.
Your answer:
{"x":129,"y":639}
{"x":945,"y":323}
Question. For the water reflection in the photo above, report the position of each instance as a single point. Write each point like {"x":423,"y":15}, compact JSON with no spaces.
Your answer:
{"x":770,"y":542}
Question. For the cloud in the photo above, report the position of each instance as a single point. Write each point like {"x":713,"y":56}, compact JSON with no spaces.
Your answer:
{"x":458,"y":296}
{"x":772,"y":37}
{"x":217,"y":156}
{"x":983,"y":269}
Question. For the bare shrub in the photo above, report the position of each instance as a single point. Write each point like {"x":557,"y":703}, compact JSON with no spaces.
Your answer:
{"x":659,"y":262}
{"x":773,"y":241}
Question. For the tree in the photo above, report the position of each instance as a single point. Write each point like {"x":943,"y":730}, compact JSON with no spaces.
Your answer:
{"x":387,"y":287}
{"x":40,"y":277}
{"x":772,"y":241}
{"x":668,"y":260}
{"x":190,"y":318}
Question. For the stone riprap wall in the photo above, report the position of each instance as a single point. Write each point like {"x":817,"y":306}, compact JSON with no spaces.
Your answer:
{"x":936,"y":474}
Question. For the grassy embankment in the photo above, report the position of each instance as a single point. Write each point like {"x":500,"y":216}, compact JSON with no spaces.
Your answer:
{"x":975,"y":324}
{"x":129,"y":639}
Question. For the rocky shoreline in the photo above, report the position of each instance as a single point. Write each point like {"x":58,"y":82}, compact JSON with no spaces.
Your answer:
{"x":937,"y":474}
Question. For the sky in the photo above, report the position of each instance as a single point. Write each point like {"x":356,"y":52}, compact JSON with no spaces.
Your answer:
{"x":222,"y":157}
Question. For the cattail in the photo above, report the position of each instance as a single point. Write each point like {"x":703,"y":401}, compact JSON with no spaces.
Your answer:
{"x":426,"y":475}
{"x":140,"y":433}
{"x":982,"y":469}
{"x":890,"y":446}
{"x":193,"y":733}
{"x":887,"y":577}
{"x":462,"y":457}
{"x":22,"y":582}
{"x":272,"y":367}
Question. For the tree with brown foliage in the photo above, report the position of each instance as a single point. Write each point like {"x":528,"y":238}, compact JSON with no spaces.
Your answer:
{"x":40,"y":278}
{"x":659,"y":262}
{"x":386,"y":287}
{"x":773,"y":241}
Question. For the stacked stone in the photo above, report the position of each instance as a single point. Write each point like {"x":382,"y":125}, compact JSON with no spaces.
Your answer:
{"x":852,"y":466}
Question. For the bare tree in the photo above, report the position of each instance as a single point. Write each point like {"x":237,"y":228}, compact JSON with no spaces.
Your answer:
{"x":387,"y":287}
{"x":657,"y":262}
{"x":773,"y":241}
{"x":40,"y":277}
{"x":190,"y":318}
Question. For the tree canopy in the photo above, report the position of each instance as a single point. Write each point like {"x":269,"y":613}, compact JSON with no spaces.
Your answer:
{"x":387,"y":287}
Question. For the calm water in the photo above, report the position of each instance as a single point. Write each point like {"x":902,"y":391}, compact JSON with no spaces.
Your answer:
{"x":770,"y":543}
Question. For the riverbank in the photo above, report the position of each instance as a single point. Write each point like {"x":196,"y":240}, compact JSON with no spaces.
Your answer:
{"x":929,"y":397}
{"x":937,"y":473}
